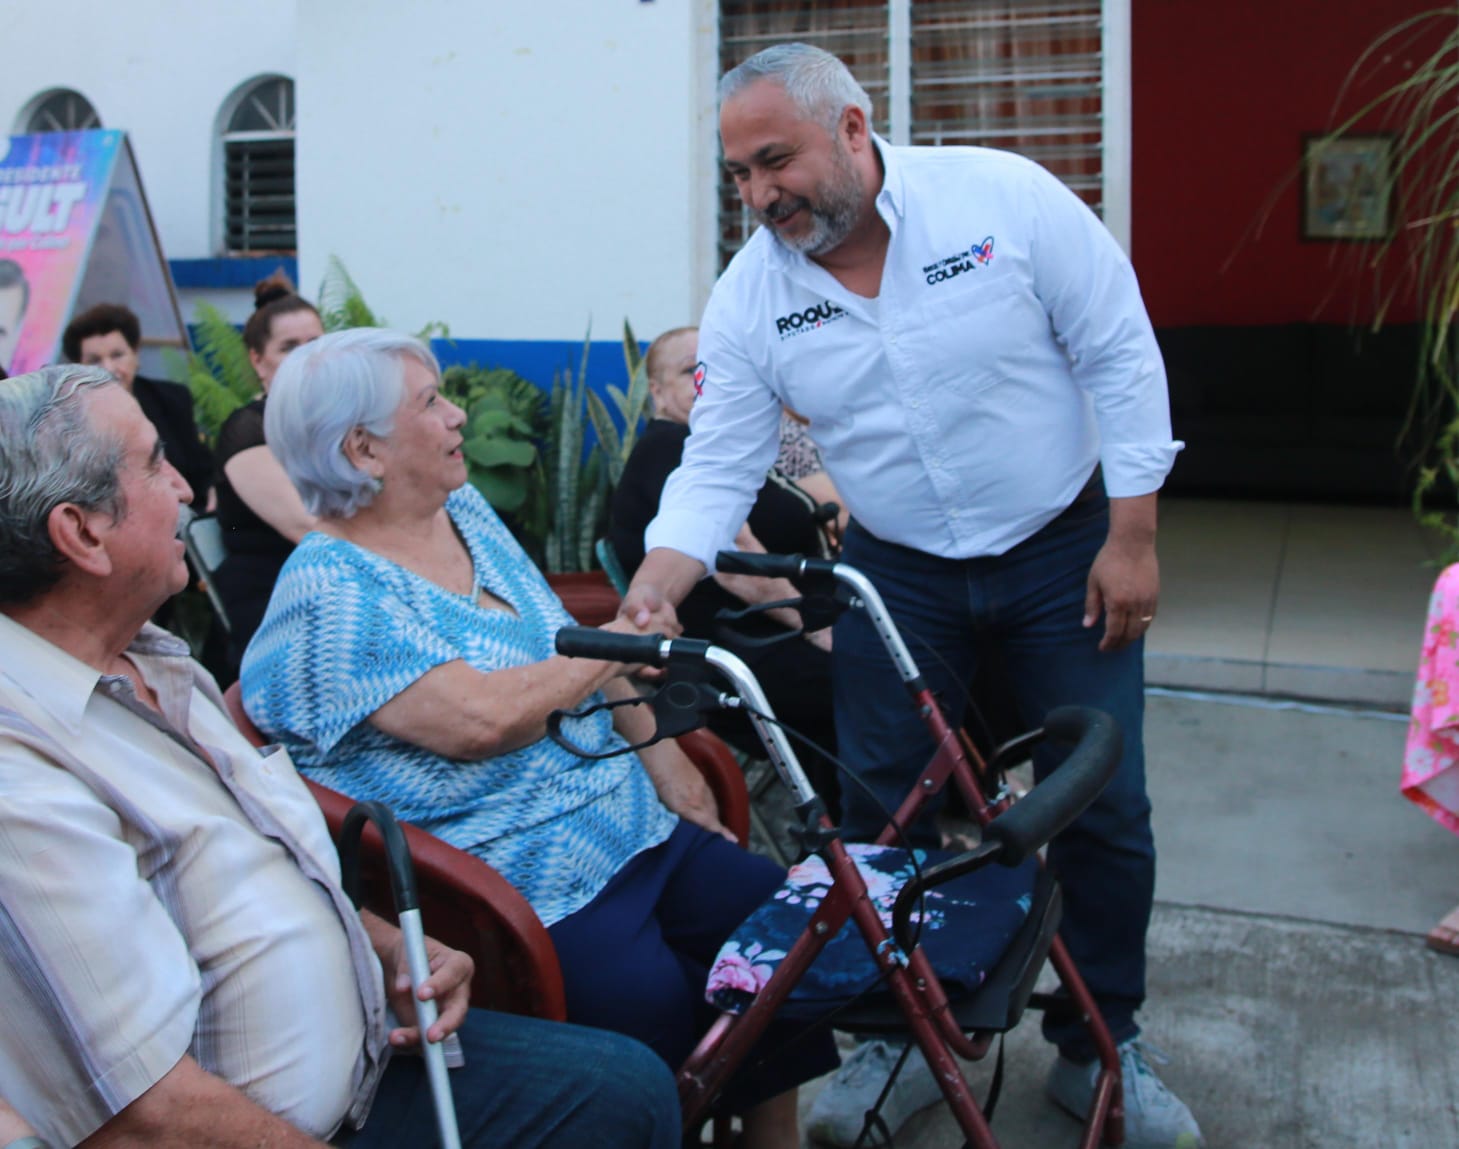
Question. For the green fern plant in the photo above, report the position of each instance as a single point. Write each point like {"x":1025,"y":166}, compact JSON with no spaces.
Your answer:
{"x":218,"y":372}
{"x":342,"y":305}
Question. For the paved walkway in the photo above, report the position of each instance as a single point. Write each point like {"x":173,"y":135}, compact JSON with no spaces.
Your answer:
{"x":1288,"y":979}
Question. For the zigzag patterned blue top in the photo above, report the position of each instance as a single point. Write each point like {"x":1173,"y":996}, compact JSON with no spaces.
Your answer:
{"x":348,"y":630}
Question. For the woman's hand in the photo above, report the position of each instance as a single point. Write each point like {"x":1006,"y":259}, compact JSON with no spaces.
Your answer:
{"x":682,"y":788}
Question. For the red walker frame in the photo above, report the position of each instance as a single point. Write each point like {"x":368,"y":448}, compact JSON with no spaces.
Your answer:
{"x":916,"y":988}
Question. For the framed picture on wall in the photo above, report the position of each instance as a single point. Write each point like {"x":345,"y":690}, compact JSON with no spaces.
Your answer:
{"x":1347,"y":187}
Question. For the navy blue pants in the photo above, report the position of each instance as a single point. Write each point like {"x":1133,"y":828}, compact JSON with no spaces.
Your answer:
{"x":636,"y":958}
{"x":531,"y":1084}
{"x":1029,"y":602}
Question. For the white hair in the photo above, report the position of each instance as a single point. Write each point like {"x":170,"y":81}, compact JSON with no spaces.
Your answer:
{"x":50,"y":453}
{"x":819,"y":84}
{"x":322,"y":391}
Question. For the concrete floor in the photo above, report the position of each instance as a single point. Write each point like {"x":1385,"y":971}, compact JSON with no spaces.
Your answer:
{"x":1298,"y":600}
{"x":1288,"y":978}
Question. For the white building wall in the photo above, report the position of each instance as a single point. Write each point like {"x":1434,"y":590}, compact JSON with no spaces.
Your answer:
{"x":512,"y":169}
{"x":159,"y":69}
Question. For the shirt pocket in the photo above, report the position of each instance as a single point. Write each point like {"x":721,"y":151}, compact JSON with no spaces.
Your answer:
{"x":970,"y":337}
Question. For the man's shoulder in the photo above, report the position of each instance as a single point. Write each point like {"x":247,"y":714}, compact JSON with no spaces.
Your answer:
{"x":958,"y":162}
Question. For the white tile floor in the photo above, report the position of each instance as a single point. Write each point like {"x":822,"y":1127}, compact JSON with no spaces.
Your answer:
{"x":1305,"y":600}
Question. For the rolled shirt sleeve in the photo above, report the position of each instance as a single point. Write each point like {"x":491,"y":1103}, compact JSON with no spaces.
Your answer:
{"x":1093,"y":299}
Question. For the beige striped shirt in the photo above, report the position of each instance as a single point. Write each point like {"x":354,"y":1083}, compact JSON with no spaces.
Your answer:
{"x":166,"y":889}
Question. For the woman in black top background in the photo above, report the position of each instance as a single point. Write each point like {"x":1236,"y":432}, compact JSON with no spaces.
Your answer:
{"x":795,"y":672}
{"x":109,"y":336}
{"x":259,"y":510}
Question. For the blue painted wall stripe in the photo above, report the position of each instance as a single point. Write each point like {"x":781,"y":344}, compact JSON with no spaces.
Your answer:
{"x":231,"y":271}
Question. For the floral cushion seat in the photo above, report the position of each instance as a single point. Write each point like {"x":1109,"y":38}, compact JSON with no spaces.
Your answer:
{"x":966,"y":925}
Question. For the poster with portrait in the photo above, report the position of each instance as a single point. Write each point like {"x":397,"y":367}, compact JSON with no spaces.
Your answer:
{"x":75,"y":231}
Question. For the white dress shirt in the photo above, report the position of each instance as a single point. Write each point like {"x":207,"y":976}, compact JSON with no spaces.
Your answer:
{"x":166,"y":889}
{"x":962,"y":409}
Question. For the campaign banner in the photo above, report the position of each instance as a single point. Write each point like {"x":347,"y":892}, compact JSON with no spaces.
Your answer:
{"x":53,"y":191}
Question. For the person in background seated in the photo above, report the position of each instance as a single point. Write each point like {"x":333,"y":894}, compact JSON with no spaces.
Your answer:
{"x":109,"y":336}
{"x":407,"y":656}
{"x":799,"y":461}
{"x":794,"y":672}
{"x":150,"y":996}
{"x":1431,"y":755}
{"x":258,"y":508}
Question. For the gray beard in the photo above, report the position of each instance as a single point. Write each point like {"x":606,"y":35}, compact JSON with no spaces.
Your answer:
{"x":833,"y":214}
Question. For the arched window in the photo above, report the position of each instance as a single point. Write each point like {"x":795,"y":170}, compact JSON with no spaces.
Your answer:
{"x":258,"y":168}
{"x":61,"y":110}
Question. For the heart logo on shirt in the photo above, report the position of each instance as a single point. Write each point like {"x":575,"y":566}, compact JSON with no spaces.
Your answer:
{"x":983,"y":252}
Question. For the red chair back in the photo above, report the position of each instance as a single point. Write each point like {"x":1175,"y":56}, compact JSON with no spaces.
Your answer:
{"x":463,"y":902}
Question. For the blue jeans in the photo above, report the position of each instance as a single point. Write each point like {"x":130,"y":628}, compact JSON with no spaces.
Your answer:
{"x":1029,"y":603}
{"x":531,"y":1084}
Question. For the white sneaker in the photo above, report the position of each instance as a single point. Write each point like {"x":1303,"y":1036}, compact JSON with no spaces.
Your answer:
{"x":1155,"y":1118}
{"x":839,"y":1110}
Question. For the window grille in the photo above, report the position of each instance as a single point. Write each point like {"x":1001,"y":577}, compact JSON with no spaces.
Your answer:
{"x":1024,"y":75}
{"x":258,"y":170}
{"x":62,"y":111}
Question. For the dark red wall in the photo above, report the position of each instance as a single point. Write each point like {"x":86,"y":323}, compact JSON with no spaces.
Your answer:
{"x":1223,"y":91}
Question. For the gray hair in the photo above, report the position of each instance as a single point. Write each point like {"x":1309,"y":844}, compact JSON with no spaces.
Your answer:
{"x":50,"y":453}
{"x":324,"y":390}
{"x":819,"y":84}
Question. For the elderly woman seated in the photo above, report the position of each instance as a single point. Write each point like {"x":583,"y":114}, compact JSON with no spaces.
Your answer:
{"x":407,"y":656}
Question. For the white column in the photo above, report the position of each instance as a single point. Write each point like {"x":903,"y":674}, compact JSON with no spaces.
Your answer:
{"x":704,"y":267}
{"x":899,"y":69}
{"x":1115,"y":83}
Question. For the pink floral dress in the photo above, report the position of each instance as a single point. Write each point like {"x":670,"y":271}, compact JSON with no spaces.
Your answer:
{"x":1431,"y":757}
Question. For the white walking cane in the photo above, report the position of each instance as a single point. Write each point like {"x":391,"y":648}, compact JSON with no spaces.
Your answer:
{"x":402,"y":885}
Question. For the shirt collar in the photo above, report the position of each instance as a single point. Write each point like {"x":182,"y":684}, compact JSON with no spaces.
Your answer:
{"x":60,"y":683}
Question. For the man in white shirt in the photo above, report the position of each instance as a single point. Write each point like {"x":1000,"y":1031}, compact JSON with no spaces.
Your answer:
{"x":970,"y":347}
{"x":178,"y":963}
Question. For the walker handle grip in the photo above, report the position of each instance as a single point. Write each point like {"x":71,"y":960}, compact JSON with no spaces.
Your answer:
{"x":770,"y":566}
{"x":610,"y":646}
{"x":1065,"y":793}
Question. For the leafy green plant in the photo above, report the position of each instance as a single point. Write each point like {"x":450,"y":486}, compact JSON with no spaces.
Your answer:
{"x":218,"y":372}
{"x":631,"y":407}
{"x":506,"y":419}
{"x":580,"y":481}
{"x":577,"y":489}
{"x":342,"y":305}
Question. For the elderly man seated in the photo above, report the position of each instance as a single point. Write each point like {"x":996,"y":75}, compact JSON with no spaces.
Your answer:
{"x":178,"y":963}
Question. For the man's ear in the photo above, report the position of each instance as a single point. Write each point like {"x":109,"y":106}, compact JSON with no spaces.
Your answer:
{"x":75,"y":537}
{"x":854,"y":128}
{"x":360,"y":448}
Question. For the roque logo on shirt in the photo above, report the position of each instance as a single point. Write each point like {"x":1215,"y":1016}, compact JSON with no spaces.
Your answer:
{"x":976,"y":256}
{"x":799,"y":322}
